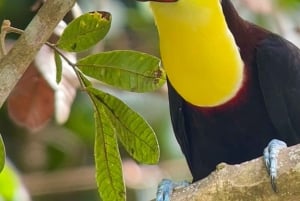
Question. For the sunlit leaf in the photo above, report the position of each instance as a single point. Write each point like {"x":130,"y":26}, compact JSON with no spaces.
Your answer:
{"x":84,"y":80}
{"x":128,"y":70}
{"x":11,"y":187}
{"x":2,"y":154}
{"x":58,"y":64}
{"x":107,"y":158}
{"x":133,"y":131}
{"x":85,"y":31}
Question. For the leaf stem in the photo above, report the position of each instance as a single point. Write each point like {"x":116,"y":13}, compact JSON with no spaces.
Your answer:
{"x":5,"y":29}
{"x":15,"y":62}
{"x":73,"y":65}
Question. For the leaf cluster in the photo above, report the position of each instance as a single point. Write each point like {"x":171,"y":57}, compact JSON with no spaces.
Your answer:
{"x":114,"y":120}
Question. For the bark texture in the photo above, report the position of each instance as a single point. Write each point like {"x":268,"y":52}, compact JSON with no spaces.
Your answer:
{"x":248,"y":181}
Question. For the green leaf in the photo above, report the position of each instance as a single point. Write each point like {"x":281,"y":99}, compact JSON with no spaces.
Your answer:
{"x":135,"y":134}
{"x":127,"y":70}
{"x":83,"y":79}
{"x":58,"y":64}
{"x":2,"y":154}
{"x":85,"y":31}
{"x":10,"y":184}
{"x":290,"y":3}
{"x":107,"y":158}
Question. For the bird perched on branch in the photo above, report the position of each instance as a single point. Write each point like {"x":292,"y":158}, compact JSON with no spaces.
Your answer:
{"x":233,"y":86}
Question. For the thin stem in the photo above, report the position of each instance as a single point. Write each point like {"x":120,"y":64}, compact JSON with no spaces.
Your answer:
{"x":57,"y":50}
{"x":6,"y":29}
{"x":53,"y":46}
{"x":38,"y":31}
{"x":5,"y":25}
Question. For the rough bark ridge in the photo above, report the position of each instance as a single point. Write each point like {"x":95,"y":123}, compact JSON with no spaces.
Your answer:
{"x":248,"y":181}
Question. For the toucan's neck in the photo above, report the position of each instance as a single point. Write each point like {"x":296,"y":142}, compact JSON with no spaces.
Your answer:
{"x":241,"y":28}
{"x":232,"y":17}
{"x":199,"y":52}
{"x":235,"y":23}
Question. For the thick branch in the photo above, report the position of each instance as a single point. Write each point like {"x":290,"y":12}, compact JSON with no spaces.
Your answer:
{"x":14,"y":64}
{"x":248,"y":181}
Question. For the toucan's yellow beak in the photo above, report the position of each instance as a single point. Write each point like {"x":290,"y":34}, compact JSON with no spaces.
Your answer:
{"x":162,"y":1}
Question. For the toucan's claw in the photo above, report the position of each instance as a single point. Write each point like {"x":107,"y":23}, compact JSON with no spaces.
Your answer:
{"x":165,"y":189}
{"x":273,"y":183}
{"x":270,"y":158}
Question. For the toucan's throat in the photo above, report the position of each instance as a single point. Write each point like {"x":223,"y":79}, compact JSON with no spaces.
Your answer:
{"x":199,"y":52}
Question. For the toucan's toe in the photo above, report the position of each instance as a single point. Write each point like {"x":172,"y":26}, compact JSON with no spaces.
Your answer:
{"x":165,"y":189}
{"x":270,"y":157}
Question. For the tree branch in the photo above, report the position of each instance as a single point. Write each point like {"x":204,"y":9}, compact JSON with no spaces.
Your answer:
{"x":248,"y":181}
{"x":14,"y":64}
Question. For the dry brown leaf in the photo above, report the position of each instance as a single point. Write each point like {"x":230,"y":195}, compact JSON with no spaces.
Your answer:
{"x":31,"y":103}
{"x":65,"y":91}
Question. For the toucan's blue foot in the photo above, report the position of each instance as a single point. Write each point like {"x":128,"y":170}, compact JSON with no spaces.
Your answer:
{"x":165,"y":189}
{"x":270,"y":157}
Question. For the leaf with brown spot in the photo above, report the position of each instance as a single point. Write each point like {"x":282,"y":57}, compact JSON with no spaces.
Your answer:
{"x":31,"y":103}
{"x":85,"y":31}
{"x":125,"y":69}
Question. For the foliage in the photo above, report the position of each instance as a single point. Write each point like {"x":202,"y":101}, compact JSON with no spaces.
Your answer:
{"x":128,"y":70}
{"x":85,"y":31}
{"x":114,"y":120}
{"x":11,"y":185}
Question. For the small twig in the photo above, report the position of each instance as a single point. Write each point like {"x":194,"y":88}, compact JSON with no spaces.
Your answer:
{"x":14,"y":64}
{"x":4,"y":26}
{"x":53,"y":46}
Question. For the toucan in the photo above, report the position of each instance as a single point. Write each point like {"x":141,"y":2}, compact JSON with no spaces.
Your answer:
{"x":234,"y":87}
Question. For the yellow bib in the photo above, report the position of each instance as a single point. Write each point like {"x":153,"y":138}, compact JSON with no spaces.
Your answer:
{"x":198,"y":51}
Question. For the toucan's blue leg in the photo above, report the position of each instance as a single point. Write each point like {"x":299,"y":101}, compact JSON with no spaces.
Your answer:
{"x":165,"y":189}
{"x":270,"y":157}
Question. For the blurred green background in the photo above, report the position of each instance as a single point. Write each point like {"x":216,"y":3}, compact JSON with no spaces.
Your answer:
{"x":56,"y":163}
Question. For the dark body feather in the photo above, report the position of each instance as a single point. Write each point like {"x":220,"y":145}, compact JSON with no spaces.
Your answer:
{"x":266,"y":107}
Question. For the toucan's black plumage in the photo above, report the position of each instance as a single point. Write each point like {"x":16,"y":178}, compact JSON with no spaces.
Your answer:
{"x":266,"y":107}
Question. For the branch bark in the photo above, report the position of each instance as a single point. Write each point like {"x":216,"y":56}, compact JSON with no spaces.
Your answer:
{"x":14,"y":64}
{"x":248,"y":181}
